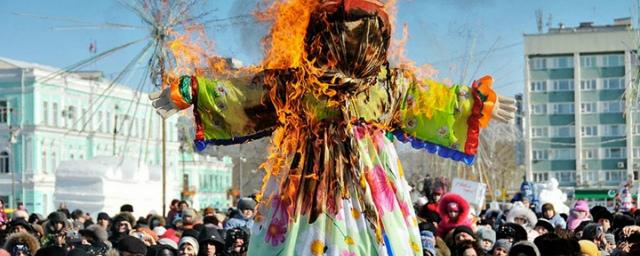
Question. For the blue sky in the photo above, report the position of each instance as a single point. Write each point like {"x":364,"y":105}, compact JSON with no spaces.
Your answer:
{"x":441,"y":32}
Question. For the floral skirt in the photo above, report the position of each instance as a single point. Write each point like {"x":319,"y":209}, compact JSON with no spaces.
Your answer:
{"x":348,"y":232}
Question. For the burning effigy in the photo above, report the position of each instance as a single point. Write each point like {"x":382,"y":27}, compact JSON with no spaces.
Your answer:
{"x":333,"y":105}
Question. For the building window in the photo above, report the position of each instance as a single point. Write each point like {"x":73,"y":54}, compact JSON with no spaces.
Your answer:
{"x":588,"y":107}
{"x":4,"y":112}
{"x":540,"y":176}
{"x":588,"y":85}
{"x":615,"y":153}
{"x":613,"y":60}
{"x":615,"y":106}
{"x":44,"y":161}
{"x":538,"y":63}
{"x":563,"y":108}
{"x":55,"y":114}
{"x":565,"y":176}
{"x":540,"y":155}
{"x":539,"y":132}
{"x":563,"y":131}
{"x":564,"y":154}
{"x":590,"y":153}
{"x":538,"y":86}
{"x":587,"y":61}
{"x":4,"y":162}
{"x":563,"y":62}
{"x":100,"y":123}
{"x":589,"y":131}
{"x":613,"y":83}
{"x":563,"y":85}
{"x":45,"y":113}
{"x":613,"y":130}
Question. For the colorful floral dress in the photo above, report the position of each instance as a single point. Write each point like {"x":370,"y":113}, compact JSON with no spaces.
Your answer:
{"x":334,"y":184}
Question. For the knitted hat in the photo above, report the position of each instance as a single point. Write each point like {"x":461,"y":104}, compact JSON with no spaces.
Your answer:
{"x":189,"y":240}
{"x":428,"y":241}
{"x":588,"y":248}
{"x":502,"y":243}
{"x":246,"y":204}
{"x":487,"y":234}
{"x":168,"y":242}
{"x":581,"y":206}
{"x":610,"y":238}
{"x":463,"y":229}
{"x":592,"y":231}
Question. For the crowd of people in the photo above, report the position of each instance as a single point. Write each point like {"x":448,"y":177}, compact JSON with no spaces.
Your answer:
{"x":184,"y":231}
{"x":448,"y":225}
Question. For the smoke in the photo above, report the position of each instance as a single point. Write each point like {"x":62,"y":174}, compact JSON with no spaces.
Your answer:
{"x":250,"y":35}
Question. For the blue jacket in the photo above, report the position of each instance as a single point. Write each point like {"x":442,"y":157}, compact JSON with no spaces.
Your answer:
{"x":557,"y":220}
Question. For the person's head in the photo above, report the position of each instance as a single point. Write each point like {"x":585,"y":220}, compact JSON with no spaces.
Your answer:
{"x":126,"y":208}
{"x":336,"y":28}
{"x":209,"y":211}
{"x":501,"y":248}
{"x":182,"y":205}
{"x":247,"y":206}
{"x":56,"y":222}
{"x":543,"y":226}
{"x":588,"y":248}
{"x":1,"y":204}
{"x":131,"y":246}
{"x":210,"y":241}
{"x":453,"y":210}
{"x":548,"y":211}
{"x":188,"y":216}
{"x":236,"y":240}
{"x":593,"y":232}
{"x":524,"y":248}
{"x":188,"y":246}
{"x":123,"y":223}
{"x":174,"y":204}
{"x":20,"y":226}
{"x":487,"y":238}
{"x":580,"y":209}
{"x":21,"y":206}
{"x":462,"y":234}
{"x":103,"y":220}
{"x":78,"y":215}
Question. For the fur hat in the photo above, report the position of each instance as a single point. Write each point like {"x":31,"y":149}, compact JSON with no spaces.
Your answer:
{"x":132,"y":245}
{"x":511,"y":230}
{"x":22,"y":242}
{"x":588,"y":248}
{"x":542,"y":222}
{"x":502,"y":243}
{"x":522,"y":212}
{"x":524,"y":248}
{"x":124,"y":216}
{"x":95,"y":232}
{"x":246,"y":204}
{"x":592,"y":231}
{"x":487,"y":234}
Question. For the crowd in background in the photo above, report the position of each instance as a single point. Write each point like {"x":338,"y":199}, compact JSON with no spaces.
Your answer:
{"x":448,"y":225}
{"x":184,"y":231}
{"x":524,"y":227}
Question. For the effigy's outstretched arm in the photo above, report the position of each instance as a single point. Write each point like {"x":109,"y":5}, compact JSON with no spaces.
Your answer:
{"x":226,"y":111}
{"x":447,"y":119}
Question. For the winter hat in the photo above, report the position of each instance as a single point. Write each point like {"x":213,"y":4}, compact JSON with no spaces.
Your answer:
{"x":189,"y":212}
{"x":208,"y":211}
{"x":189,"y":240}
{"x":502,"y":243}
{"x":103,"y":216}
{"x":588,"y":248}
{"x":581,"y":206}
{"x":125,"y":216}
{"x":511,"y":230}
{"x":96,"y":232}
{"x":522,"y":212}
{"x":57,"y":217}
{"x":78,"y":252}
{"x":600,"y":212}
{"x":428,"y":241}
{"x":171,"y":235}
{"x":126,"y":208}
{"x":542,"y":222}
{"x":159,"y":231}
{"x":132,"y":245}
{"x":453,"y":207}
{"x":487,"y":234}
{"x":610,"y":238}
{"x":168,"y":242}
{"x":51,"y":251}
{"x":246,"y":204}
{"x":592,"y":231}
{"x":21,"y":222}
{"x":463,"y":229}
{"x":22,"y":242}
{"x":211,"y":234}
{"x":524,"y":248}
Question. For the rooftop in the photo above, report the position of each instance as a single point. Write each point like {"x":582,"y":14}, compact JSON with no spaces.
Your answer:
{"x":620,"y":24}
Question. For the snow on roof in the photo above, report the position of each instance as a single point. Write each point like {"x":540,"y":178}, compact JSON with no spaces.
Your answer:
{"x":6,"y":63}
